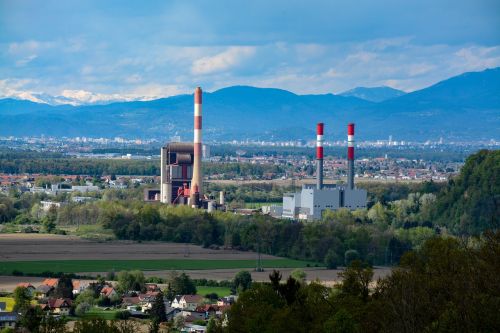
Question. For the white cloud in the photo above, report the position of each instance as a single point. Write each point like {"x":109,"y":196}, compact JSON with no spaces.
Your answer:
{"x":15,"y":88}
{"x":26,"y":60}
{"x":222,"y":61}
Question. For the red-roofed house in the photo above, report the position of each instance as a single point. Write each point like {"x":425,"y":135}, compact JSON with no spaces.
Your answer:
{"x":51,"y":282}
{"x":60,"y":306}
{"x":79,"y":286}
{"x":109,"y":292}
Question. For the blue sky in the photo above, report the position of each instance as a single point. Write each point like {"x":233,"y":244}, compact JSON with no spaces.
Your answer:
{"x":97,"y":51}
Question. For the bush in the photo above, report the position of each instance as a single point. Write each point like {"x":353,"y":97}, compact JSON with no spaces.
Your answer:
{"x":350,"y":256}
{"x":332,"y":259}
{"x":82,"y":309}
{"x":212,"y":296}
{"x":122,"y":315}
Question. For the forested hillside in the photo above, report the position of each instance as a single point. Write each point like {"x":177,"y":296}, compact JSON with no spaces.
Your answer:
{"x":470,"y":203}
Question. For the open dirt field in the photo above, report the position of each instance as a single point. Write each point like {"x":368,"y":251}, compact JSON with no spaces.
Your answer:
{"x":30,"y":247}
{"x":327,"y":276}
{"x":37,"y":247}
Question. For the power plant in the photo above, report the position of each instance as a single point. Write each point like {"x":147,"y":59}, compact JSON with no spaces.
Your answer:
{"x":181,"y":180}
{"x":312,"y":201}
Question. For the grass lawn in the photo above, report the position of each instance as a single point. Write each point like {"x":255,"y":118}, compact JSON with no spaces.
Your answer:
{"x":75,"y":266}
{"x":9,"y":302}
{"x":100,"y":313}
{"x":220,"y":291}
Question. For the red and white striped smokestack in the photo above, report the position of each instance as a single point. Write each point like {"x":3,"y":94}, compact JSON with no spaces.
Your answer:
{"x":350,"y":155}
{"x":196,"y":182}
{"x":319,"y":155}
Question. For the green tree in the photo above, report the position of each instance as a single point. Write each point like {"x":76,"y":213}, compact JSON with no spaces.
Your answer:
{"x":133,"y":280}
{"x":31,"y":319}
{"x":242,"y":281}
{"x":22,"y":299}
{"x":158,"y":311}
{"x":331,"y":259}
{"x":64,"y":287}
{"x":182,"y":284}
{"x":299,"y":275}
{"x":350,"y":256}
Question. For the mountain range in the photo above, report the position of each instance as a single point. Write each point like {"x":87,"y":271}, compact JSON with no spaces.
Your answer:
{"x":464,"y":107}
{"x":375,"y":94}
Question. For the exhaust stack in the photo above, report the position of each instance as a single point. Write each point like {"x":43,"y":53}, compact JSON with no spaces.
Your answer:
{"x":319,"y":155}
{"x":350,"y":156}
{"x":196,"y":182}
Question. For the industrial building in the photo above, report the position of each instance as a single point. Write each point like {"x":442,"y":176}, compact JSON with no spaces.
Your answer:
{"x":176,"y":172}
{"x":181,"y":181}
{"x":313,"y":200}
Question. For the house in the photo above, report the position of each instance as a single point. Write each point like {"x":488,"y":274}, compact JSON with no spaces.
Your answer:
{"x":228,"y":300}
{"x":31,"y":288}
{"x":50,"y":282}
{"x":8,"y":319}
{"x":176,"y":302}
{"x":79,"y":286}
{"x":209,"y":310}
{"x":109,"y":292}
{"x":171,"y":312}
{"x":60,"y":306}
{"x":152,"y":287}
{"x":190,"y":316}
{"x":131,"y":301}
{"x":190,"y":302}
{"x":43,"y":291}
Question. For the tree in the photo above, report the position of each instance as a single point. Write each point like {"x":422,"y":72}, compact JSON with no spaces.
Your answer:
{"x":31,"y":319}
{"x":350,"y":256}
{"x":82,"y":308}
{"x":331,"y":259}
{"x":64,"y":287}
{"x":22,"y":299}
{"x":158,"y":310}
{"x":182,"y":284}
{"x":133,"y":280}
{"x":299,"y":275}
{"x":51,"y":324}
{"x":242,"y":281}
{"x":356,"y":280}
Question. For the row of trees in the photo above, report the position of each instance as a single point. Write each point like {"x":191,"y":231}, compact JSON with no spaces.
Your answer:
{"x":445,"y":286}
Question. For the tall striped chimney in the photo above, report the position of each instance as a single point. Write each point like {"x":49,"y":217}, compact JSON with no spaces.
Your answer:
{"x":196,"y":182}
{"x":319,"y":155}
{"x":350,"y":156}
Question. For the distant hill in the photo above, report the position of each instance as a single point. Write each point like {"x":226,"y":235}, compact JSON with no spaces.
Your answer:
{"x":375,"y":94}
{"x":461,"y":108}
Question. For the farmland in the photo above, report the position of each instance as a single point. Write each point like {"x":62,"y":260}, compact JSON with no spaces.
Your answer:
{"x":85,"y":266}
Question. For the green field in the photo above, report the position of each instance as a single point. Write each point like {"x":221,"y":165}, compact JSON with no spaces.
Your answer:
{"x":9,"y":302}
{"x":220,"y":291}
{"x":76,"y":266}
{"x":100,"y":313}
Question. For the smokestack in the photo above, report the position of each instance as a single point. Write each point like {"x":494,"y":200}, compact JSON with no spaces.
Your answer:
{"x":350,"y":156}
{"x":196,"y":182}
{"x":319,"y":156}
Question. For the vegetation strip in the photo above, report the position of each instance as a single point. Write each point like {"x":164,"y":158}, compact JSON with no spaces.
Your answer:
{"x":74,"y":266}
